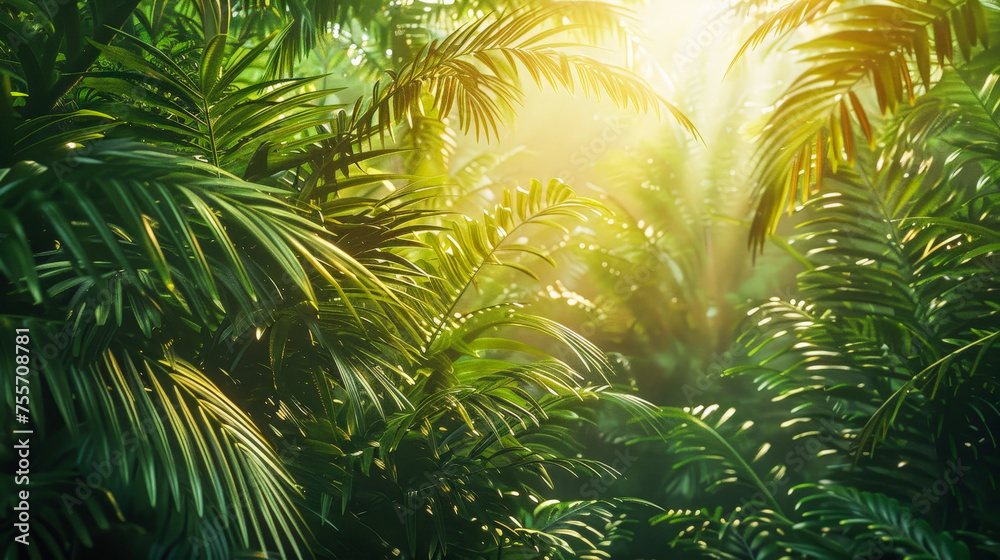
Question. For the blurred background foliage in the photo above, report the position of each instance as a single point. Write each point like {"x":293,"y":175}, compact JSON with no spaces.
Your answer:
{"x":503,"y":278}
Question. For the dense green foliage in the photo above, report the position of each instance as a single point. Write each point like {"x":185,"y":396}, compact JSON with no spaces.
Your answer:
{"x":277,"y":312}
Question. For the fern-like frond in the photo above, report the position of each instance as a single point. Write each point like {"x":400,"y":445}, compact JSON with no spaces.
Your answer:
{"x":824,"y":112}
{"x":243,"y":128}
{"x":475,"y":71}
{"x":787,"y":18}
{"x":580,"y":529}
{"x":165,"y":430}
{"x":163,"y":206}
{"x":871,"y":522}
{"x":471,"y":246}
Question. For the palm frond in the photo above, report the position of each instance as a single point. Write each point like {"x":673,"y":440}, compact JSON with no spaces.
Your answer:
{"x":874,"y":522}
{"x":475,"y":70}
{"x":867,"y":51}
{"x":242,"y":128}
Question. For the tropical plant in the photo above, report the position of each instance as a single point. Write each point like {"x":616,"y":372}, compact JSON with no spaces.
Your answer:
{"x":228,"y":289}
{"x":277,"y":303}
{"x":880,"y":362}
